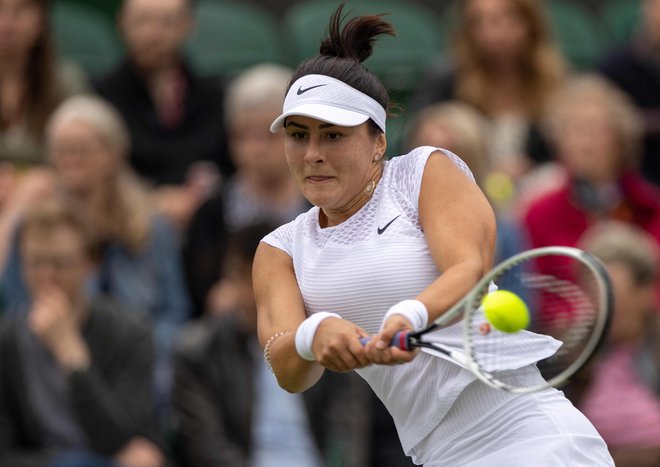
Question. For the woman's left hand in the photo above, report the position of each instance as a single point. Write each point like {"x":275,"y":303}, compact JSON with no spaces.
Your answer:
{"x":337,"y":345}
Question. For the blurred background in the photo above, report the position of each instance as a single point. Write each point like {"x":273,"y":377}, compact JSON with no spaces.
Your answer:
{"x":231,"y":36}
{"x":127,"y":321}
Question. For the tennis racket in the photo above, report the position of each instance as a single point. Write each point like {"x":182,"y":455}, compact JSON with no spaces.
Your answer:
{"x":569,"y":297}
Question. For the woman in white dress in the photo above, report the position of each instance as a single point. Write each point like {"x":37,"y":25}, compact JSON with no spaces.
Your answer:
{"x":391,"y":245}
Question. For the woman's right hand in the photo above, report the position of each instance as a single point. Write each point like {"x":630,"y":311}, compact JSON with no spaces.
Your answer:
{"x":379,"y":349}
{"x":337,"y":346}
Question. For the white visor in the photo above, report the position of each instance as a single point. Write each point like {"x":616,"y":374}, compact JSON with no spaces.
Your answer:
{"x":329,"y":100}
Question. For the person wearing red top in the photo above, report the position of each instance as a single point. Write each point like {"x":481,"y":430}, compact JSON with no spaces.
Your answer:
{"x":597,"y":135}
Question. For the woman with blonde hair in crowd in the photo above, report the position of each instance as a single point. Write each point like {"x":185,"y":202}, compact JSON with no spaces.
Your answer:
{"x":260,"y":191}
{"x":597,"y":133}
{"x":140,"y":261}
{"x":32,"y":81}
{"x":505,"y":65}
{"x":460,"y":128}
{"x":455,"y":126}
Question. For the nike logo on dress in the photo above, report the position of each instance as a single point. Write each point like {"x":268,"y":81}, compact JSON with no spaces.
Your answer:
{"x":303,"y":91}
{"x":383,"y":229}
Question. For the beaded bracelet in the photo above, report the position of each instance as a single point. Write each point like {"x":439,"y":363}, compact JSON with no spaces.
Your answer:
{"x":270,"y":340}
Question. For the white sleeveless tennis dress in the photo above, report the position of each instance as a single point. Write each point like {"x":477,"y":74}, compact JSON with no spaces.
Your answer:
{"x":371,"y":261}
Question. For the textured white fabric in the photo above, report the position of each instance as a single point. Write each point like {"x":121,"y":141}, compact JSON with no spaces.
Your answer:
{"x":330,"y":100}
{"x":352,"y":270}
{"x":306,"y":332}
{"x":519,"y":431}
{"x":362,"y":267}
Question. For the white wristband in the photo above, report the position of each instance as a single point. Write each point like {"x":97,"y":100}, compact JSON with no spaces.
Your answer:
{"x":413,"y":310}
{"x":307,"y":330}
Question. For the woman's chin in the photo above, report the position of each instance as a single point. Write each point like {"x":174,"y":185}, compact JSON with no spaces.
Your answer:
{"x":318,"y":196}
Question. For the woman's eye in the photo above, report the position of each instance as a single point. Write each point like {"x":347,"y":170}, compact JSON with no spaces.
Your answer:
{"x":298,"y":135}
{"x":333,"y":136}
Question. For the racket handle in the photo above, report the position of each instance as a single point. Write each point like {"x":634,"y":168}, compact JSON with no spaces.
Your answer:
{"x":399,"y":340}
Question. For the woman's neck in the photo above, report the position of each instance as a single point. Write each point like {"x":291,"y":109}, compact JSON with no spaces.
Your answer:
{"x":167,"y":87}
{"x":332,"y":217}
{"x":504,"y":68}
{"x":506,"y":80}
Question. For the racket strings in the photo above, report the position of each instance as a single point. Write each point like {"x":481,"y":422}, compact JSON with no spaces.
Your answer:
{"x":564,"y":304}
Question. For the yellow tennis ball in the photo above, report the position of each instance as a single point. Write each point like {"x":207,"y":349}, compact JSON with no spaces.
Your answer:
{"x":506,"y":311}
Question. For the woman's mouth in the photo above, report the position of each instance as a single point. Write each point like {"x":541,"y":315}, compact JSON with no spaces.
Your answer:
{"x":318,"y":178}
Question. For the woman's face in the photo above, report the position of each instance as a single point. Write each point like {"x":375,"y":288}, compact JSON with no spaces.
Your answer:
{"x":254,"y":149}
{"x":21,"y":25}
{"x":497,"y":28}
{"x":82,"y":160}
{"x":155,"y":30}
{"x":331,"y":164}
{"x":587,"y":142}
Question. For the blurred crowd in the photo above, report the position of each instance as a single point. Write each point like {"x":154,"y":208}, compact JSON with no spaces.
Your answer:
{"x":132,"y":202}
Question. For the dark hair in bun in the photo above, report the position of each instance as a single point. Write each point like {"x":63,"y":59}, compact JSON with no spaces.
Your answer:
{"x":341,"y":54}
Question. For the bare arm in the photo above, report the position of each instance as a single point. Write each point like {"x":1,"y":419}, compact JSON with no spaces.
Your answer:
{"x":336,"y":345}
{"x":281,"y":309}
{"x":459,"y":226}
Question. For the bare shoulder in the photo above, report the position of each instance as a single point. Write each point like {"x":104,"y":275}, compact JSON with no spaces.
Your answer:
{"x":449,"y":165}
{"x":448,"y":177}
{"x":454,"y":213}
{"x":270,"y":259}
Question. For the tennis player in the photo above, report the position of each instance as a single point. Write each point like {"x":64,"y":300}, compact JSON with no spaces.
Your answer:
{"x":388,"y":246}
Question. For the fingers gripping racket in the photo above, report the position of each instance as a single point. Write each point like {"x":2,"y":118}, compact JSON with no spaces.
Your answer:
{"x":568,"y":295}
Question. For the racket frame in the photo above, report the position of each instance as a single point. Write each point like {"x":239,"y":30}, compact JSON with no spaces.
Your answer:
{"x":469,"y":305}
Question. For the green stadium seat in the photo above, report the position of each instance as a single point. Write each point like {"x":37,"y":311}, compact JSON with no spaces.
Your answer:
{"x":396,"y":130}
{"x":399,"y":61}
{"x":620,"y":18}
{"x":230,"y":37}
{"x":108,"y":8}
{"x":577,"y":32}
{"x":86,"y":36}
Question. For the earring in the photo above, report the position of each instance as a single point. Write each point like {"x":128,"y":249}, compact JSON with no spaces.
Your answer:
{"x":377,"y":157}
{"x":369,"y":188}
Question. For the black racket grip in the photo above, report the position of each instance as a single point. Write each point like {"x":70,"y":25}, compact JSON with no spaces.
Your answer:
{"x":399,"y":340}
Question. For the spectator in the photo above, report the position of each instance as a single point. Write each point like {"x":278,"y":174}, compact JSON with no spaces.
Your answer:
{"x":635,"y":68}
{"x":75,"y":386}
{"x":231,"y":411}
{"x":140,"y":262}
{"x":461,"y":129}
{"x":32,"y":81}
{"x":505,"y":65}
{"x":174,"y":116}
{"x":597,"y":134}
{"x":622,"y":393}
{"x":261,"y":189}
